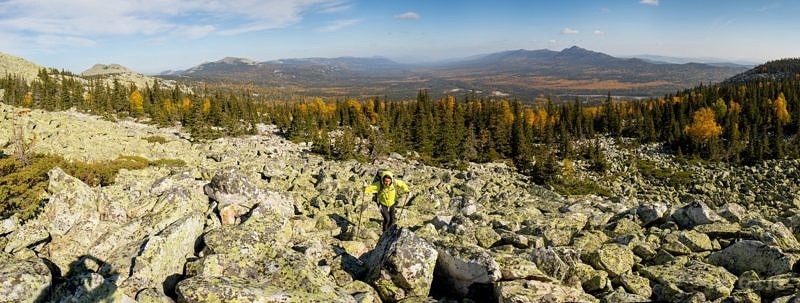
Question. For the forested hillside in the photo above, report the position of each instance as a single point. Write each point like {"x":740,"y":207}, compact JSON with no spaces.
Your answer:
{"x":735,"y":122}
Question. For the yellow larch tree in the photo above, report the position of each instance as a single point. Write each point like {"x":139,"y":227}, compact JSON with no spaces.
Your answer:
{"x":779,"y":106}
{"x":136,"y":100}
{"x":704,"y":126}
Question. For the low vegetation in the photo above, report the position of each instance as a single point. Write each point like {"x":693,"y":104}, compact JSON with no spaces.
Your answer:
{"x":156,"y":139}
{"x":21,"y":186}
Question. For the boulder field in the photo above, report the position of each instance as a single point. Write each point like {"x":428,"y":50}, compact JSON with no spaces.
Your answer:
{"x":261,"y":219}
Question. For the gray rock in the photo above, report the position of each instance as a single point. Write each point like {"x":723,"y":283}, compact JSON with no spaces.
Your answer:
{"x":732,"y":212}
{"x":753,"y":255}
{"x":652,"y":213}
{"x":461,"y":267}
{"x":695,"y":213}
{"x":556,"y":262}
{"x":401,"y":265}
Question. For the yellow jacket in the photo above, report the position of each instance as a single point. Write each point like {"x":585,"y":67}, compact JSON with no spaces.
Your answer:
{"x":387,"y":196}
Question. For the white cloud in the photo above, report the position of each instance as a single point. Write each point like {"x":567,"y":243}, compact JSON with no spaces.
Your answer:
{"x":408,"y":16}
{"x":337,"y":25}
{"x":92,"y":20}
{"x":569,"y":31}
{"x":552,"y":41}
{"x":605,"y":10}
{"x":599,"y":32}
{"x":649,"y":2}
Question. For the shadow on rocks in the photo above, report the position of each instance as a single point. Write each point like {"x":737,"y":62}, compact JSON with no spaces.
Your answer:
{"x":88,"y":280}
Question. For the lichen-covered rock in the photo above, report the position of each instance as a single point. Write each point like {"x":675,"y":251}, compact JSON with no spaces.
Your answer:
{"x":613,"y":258}
{"x":513,"y":267}
{"x":235,"y":196}
{"x":753,"y":255}
{"x":620,"y":296}
{"x":401,"y":265}
{"x":776,"y":234}
{"x":532,"y":291}
{"x":770,"y":287}
{"x":742,"y":296}
{"x":23,"y":280}
{"x":30,"y":233}
{"x":636,"y":284}
{"x":587,"y":242}
{"x":623,"y":227}
{"x":162,"y":256}
{"x":71,"y":202}
{"x":732,"y":212}
{"x":486,"y":236}
{"x":151,"y":295}
{"x":692,"y":276}
{"x":268,"y":229}
{"x":202,"y":289}
{"x":695,"y":241}
{"x":558,"y":263}
{"x":557,"y":230}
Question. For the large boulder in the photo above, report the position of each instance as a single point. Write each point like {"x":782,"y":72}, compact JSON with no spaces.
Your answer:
{"x":71,"y":202}
{"x":162,"y":256}
{"x":466,"y":268}
{"x":268,"y":229}
{"x":23,"y":280}
{"x":692,"y":276}
{"x":532,"y":291}
{"x":695,"y":213}
{"x":401,"y":266}
{"x":236,"y":196}
{"x":202,"y":289}
{"x":753,"y":255}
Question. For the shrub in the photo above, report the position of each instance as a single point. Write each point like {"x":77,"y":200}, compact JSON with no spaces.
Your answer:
{"x":168,"y":162}
{"x":21,"y":186}
{"x":156,"y":139}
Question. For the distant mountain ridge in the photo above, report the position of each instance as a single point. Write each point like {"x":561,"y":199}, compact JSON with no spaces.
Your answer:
{"x":573,"y":70}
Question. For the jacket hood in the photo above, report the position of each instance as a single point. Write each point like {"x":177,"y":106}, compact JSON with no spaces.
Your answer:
{"x":387,"y":173}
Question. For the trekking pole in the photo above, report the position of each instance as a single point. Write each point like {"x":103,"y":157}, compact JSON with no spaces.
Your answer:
{"x":361,"y":214}
{"x":405,"y":199}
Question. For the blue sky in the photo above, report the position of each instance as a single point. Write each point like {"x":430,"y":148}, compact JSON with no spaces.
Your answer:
{"x":156,"y":35}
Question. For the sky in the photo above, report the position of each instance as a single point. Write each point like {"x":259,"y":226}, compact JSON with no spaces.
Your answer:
{"x":151,"y":36}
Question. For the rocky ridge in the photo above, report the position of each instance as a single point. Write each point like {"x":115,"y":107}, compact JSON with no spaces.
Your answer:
{"x":260,"y":219}
{"x":14,"y":65}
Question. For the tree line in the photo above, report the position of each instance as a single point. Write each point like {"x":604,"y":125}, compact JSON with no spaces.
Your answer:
{"x":734,"y":122}
{"x":203,"y":111}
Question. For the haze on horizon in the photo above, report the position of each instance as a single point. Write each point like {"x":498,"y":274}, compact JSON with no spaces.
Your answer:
{"x":156,"y":35}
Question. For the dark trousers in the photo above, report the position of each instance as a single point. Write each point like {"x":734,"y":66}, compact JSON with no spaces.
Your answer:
{"x":388,"y":216}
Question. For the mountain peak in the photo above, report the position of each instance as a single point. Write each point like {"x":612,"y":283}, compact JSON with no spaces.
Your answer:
{"x":110,"y":69}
